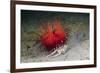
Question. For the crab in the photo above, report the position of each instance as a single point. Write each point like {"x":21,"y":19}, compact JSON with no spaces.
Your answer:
{"x":59,"y":51}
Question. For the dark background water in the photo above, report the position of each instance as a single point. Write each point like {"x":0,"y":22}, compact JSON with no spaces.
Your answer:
{"x":35,"y":18}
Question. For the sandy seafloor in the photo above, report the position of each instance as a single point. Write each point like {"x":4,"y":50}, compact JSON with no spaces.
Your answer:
{"x":76,"y":51}
{"x":78,"y":41}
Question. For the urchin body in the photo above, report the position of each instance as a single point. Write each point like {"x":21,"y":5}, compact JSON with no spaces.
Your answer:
{"x":53,"y":38}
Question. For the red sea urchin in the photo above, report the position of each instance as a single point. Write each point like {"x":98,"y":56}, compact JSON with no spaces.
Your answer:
{"x":53,"y":35}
